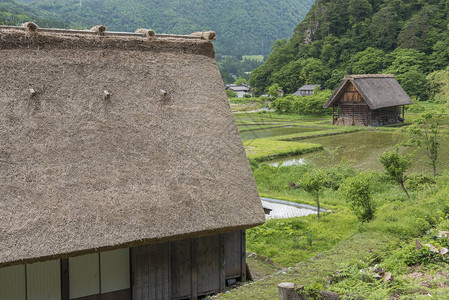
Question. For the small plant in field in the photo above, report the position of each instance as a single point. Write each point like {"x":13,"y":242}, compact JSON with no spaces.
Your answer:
{"x":332,"y":152}
{"x":425,"y":133}
{"x":357,"y":191}
{"x":396,"y":165}
{"x":313,"y":182}
{"x":309,"y":238}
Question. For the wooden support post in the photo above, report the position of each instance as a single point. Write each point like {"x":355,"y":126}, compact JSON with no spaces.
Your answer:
{"x":194,"y":253}
{"x":243,"y":266}
{"x":65,"y":279}
{"x":222,"y":262}
{"x":353,"y":116}
{"x":288,"y":291}
{"x":333,"y":115}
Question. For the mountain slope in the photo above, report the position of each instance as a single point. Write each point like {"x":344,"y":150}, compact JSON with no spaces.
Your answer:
{"x":15,"y":13}
{"x":243,"y":27}
{"x":409,"y":38}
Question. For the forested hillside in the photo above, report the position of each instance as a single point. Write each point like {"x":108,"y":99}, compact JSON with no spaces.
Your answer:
{"x":243,"y":26}
{"x":409,"y":38}
{"x":15,"y":13}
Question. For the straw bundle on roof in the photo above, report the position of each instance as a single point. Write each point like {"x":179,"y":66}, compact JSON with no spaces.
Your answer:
{"x":30,"y":27}
{"x":99,"y":29}
{"x":149,"y":33}
{"x":206,"y":35}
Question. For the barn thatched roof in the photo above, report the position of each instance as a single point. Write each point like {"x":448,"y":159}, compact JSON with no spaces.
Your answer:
{"x":112,"y":141}
{"x":379,"y":91}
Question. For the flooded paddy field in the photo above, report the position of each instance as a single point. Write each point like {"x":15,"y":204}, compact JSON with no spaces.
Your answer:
{"x":362,"y":149}
{"x":277,"y":131}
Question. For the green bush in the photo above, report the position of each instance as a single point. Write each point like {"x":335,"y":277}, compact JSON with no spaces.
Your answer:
{"x":415,"y":182}
{"x":358,"y":193}
{"x":307,"y":105}
{"x":338,"y":174}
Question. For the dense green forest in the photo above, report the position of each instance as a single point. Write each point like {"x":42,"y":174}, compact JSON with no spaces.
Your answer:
{"x":408,"y":38}
{"x":15,"y":13}
{"x":243,"y":27}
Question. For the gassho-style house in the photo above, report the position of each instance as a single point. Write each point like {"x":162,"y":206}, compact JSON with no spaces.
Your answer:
{"x":122,"y":173}
{"x":368,"y":100}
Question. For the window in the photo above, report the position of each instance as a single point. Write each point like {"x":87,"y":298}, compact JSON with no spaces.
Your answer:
{"x":38,"y":281}
{"x":99,"y":273}
{"x":88,"y":275}
{"x":12,"y":283}
{"x":44,"y":280}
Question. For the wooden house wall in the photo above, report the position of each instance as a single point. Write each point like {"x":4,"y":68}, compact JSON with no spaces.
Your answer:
{"x":187,"y":268}
{"x":235,"y":255}
{"x":182,"y":269}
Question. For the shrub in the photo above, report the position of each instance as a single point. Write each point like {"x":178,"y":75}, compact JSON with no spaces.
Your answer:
{"x":415,"y":182}
{"x":307,"y":105}
{"x":357,"y":191}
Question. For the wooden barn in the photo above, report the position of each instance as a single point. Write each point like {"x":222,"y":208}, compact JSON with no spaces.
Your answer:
{"x":368,"y":100}
{"x":122,"y":172}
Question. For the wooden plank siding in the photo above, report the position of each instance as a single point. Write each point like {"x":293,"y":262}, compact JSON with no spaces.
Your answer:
{"x":151,"y":272}
{"x":181,"y":269}
{"x":234,"y":254}
{"x":187,"y":269}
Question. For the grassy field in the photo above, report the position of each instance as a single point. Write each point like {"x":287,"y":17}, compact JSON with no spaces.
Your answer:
{"x":253,"y":57}
{"x":336,"y":252}
{"x":268,"y":149}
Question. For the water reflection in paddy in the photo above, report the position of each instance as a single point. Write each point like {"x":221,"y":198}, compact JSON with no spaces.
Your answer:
{"x":285,"y":210}
{"x":264,"y":133}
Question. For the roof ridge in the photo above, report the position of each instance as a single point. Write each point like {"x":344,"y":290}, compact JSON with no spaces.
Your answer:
{"x":195,"y":36}
{"x":369,"y":76}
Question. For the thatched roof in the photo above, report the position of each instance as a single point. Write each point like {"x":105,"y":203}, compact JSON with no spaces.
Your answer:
{"x":111,"y":141}
{"x":379,"y":91}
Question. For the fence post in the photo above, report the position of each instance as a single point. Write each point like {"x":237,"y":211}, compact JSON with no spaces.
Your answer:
{"x":288,"y":291}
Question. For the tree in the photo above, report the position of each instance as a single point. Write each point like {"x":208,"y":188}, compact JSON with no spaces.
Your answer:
{"x":357,"y":191}
{"x":369,"y":61}
{"x":414,"y":83}
{"x":425,"y":136}
{"x":240,"y":81}
{"x":359,"y":10}
{"x":396,"y":165}
{"x":414,"y":33}
{"x":231,"y":94}
{"x":313,"y":182}
{"x":273,"y":90}
{"x":384,"y":27}
{"x":313,"y":71}
{"x":440,"y":54}
{"x":289,"y":76}
{"x":409,"y":66}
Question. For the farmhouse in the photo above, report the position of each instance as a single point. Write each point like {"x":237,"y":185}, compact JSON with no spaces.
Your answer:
{"x":306,"y":90}
{"x":241,"y":89}
{"x":368,"y":100}
{"x":122,"y":173}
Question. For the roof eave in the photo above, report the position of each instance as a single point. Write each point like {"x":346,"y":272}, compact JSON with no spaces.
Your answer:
{"x":335,"y":93}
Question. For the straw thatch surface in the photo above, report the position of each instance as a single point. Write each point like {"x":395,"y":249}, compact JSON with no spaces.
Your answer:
{"x":81,"y":172}
{"x":378,"y":91}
